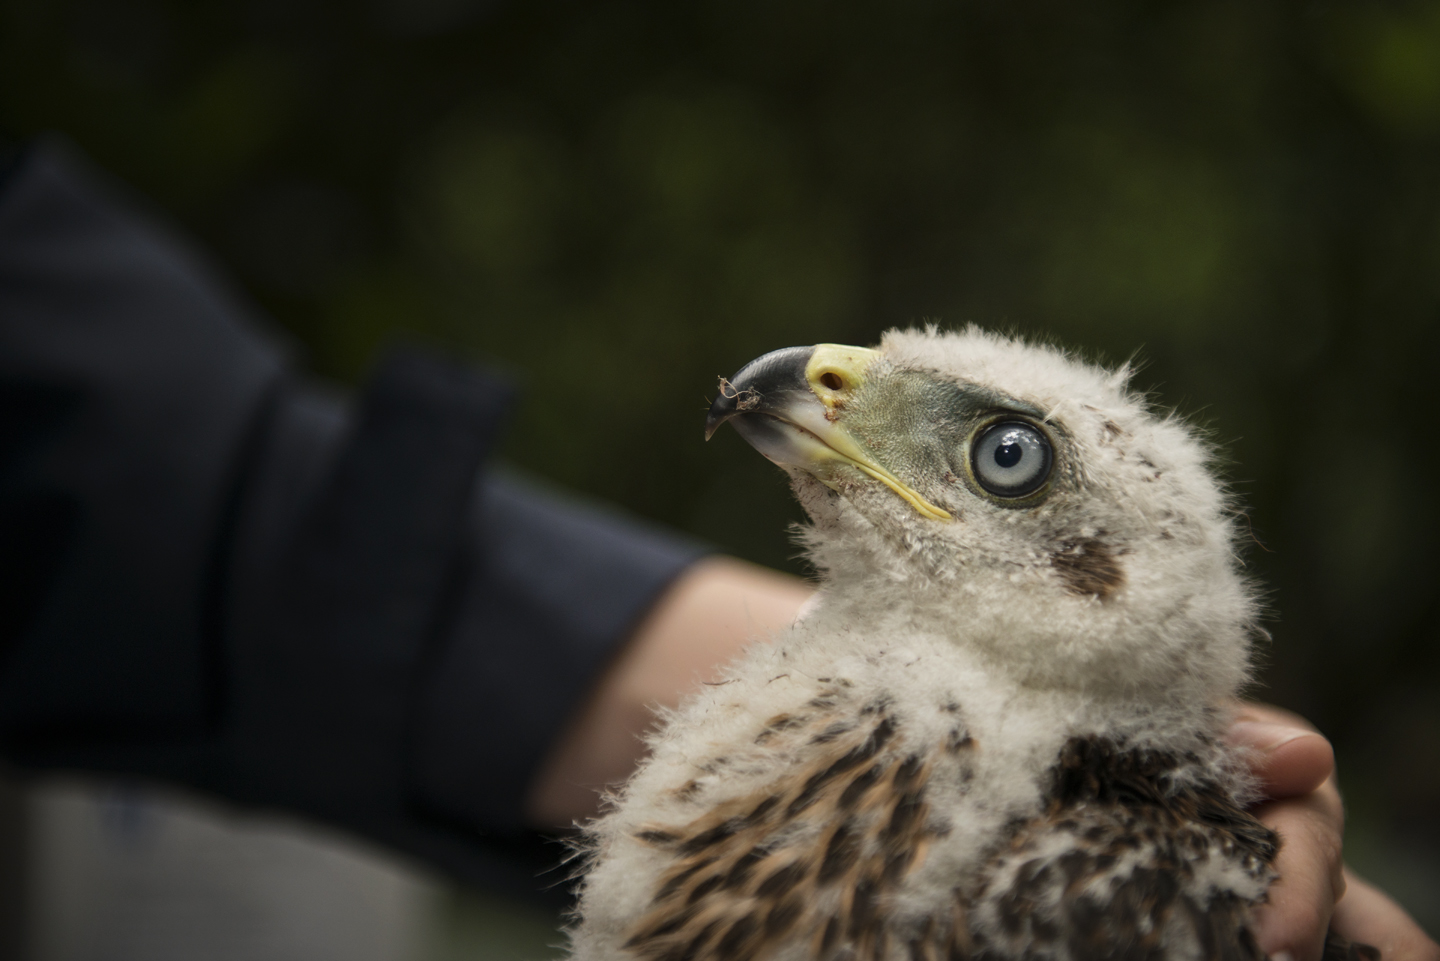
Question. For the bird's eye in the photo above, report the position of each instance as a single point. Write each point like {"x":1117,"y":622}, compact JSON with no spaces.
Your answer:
{"x":1011,"y":459}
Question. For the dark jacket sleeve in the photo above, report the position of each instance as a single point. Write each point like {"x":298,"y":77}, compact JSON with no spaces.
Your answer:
{"x":216,"y":575}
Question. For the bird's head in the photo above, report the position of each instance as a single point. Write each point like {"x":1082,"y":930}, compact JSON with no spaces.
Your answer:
{"x":1009,"y":497}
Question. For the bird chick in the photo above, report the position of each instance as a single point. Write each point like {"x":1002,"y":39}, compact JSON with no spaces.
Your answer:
{"x":998,"y":735}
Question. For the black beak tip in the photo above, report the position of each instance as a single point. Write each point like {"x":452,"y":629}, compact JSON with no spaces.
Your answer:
{"x":760,"y":380}
{"x":721,"y":409}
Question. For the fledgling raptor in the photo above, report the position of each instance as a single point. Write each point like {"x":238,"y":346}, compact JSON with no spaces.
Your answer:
{"x":998,"y":733}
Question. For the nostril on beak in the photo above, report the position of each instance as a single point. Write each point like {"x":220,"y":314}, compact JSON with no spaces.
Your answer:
{"x":832,"y":380}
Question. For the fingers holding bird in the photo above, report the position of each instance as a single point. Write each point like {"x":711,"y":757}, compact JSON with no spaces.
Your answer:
{"x":1296,"y":769}
{"x":1295,"y":766}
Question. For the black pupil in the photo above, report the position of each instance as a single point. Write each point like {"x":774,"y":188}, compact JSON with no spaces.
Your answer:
{"x":1008,"y":455}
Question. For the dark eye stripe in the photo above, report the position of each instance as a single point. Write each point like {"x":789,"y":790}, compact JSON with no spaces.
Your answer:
{"x":1011,"y":459}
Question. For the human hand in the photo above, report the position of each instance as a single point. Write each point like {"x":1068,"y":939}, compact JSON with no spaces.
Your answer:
{"x":1365,"y":914}
{"x":1296,"y":769}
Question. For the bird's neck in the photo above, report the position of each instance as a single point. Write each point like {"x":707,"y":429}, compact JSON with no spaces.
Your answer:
{"x":1030,"y":651}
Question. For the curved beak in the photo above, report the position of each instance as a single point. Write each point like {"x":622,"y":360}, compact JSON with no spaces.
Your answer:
{"x":787,"y":406}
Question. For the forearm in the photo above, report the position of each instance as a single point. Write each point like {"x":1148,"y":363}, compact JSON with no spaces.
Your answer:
{"x":703,"y":621}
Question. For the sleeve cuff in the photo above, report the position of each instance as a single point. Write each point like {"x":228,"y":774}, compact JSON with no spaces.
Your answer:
{"x":548,"y":591}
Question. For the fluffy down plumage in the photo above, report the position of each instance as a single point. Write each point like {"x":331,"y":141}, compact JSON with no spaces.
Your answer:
{"x":998,"y":734}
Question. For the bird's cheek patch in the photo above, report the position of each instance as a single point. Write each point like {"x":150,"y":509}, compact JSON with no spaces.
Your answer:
{"x":1089,"y":567}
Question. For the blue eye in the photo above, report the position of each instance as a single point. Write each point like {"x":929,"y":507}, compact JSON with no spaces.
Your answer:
{"x":1011,"y":459}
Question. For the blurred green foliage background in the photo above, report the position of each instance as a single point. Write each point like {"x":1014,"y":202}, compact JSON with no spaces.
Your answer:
{"x":618,"y":201}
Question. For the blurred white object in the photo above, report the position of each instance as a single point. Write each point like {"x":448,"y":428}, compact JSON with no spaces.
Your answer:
{"x":139,"y":874}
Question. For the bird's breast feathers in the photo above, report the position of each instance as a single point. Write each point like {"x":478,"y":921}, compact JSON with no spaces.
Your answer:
{"x":903,"y":805}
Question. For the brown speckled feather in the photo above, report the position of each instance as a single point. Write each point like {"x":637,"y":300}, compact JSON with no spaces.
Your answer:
{"x":1111,"y":869}
{"x":1107,"y":871}
{"x":810,"y":859}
